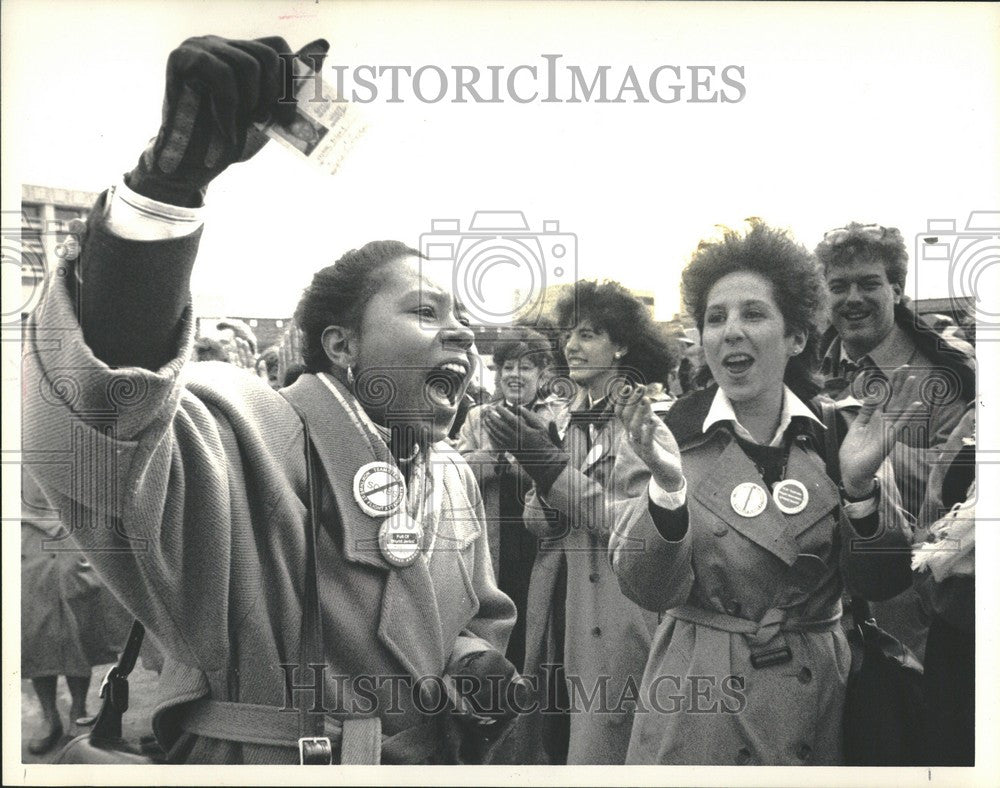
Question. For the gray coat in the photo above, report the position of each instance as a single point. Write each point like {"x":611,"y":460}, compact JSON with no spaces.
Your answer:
{"x":186,"y":488}
{"x":705,"y":702}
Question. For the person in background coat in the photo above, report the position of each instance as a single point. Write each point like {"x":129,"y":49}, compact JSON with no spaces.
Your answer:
{"x":945,"y":576}
{"x":873,"y":334}
{"x":578,"y":619}
{"x":742,"y":542}
{"x":197,"y":509}
{"x":522,"y":357}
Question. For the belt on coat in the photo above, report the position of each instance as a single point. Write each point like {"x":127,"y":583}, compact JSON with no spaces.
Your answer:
{"x":760,"y":634}
{"x":360,"y":738}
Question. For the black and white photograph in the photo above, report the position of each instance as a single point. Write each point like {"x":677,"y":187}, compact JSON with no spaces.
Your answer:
{"x":582,"y":393}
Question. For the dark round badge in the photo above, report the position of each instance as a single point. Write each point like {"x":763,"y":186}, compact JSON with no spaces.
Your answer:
{"x":791,"y":496}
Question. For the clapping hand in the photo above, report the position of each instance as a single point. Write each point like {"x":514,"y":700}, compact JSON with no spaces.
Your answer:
{"x":650,"y":438}
{"x":873,"y":432}
{"x":240,"y":354}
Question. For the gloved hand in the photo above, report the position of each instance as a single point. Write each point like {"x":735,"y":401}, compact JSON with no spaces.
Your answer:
{"x":488,"y":687}
{"x":534,"y":442}
{"x":216,"y":89}
{"x":489,"y":695}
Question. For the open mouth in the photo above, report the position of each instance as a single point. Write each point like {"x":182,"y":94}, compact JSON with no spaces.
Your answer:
{"x":445,"y":384}
{"x":737,"y":363}
{"x":576,"y":361}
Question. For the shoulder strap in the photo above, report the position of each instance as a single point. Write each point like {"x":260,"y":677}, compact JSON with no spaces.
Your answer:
{"x":860,"y":609}
{"x":311,"y":641}
{"x":114,"y":689}
{"x":831,"y":435}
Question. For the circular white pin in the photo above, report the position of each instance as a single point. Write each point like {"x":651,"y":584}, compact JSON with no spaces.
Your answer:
{"x":379,"y":488}
{"x":791,"y":496}
{"x":748,"y":499}
{"x":399,"y":539}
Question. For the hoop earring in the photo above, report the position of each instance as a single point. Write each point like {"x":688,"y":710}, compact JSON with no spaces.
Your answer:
{"x":350,"y":377}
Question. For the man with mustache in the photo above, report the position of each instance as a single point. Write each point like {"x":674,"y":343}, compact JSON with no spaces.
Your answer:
{"x":872,"y":334}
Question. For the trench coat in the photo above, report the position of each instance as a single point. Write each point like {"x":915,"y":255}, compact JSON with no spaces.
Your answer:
{"x":186,"y":488}
{"x":736,"y":588}
{"x":69,"y":620}
{"x":606,"y":636}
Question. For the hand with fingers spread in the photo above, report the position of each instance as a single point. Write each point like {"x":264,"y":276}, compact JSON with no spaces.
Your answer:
{"x":871,"y":436}
{"x":650,"y":438}
{"x":241,"y":354}
{"x":216,"y":90}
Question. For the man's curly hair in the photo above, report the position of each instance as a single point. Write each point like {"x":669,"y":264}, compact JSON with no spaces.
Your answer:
{"x":855,"y":243}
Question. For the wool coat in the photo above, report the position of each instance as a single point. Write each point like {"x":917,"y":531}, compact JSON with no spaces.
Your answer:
{"x":738,"y":586}
{"x":605,"y":636}
{"x":186,"y":488}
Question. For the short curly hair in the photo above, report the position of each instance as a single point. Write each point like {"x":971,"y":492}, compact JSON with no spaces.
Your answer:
{"x":613,"y":308}
{"x":339,"y":294}
{"x":866,"y":243}
{"x":795,"y":278}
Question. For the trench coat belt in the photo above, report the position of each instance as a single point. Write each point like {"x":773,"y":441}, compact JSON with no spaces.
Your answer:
{"x":360,"y":738}
{"x":758,"y":632}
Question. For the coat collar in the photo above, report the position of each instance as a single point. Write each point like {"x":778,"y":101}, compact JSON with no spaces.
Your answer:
{"x":686,"y":420}
{"x":409,"y":623}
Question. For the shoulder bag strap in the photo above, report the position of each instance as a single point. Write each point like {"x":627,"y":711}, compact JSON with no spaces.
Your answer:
{"x":860,"y":609}
{"x":114,"y":689}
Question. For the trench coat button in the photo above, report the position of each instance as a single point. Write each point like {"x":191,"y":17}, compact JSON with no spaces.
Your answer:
{"x":805,"y":675}
{"x":720,"y":528}
{"x":803,"y":751}
{"x":743,"y":757}
{"x":733,"y":607}
{"x":594,"y":577}
{"x":596,"y":632}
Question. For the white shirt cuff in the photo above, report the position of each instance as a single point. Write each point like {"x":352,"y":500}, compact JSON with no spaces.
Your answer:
{"x":860,"y":509}
{"x":138,"y":218}
{"x":666,"y":499}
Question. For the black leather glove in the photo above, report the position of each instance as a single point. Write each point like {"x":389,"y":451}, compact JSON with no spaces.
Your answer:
{"x":489,"y":687}
{"x":216,"y":89}
{"x":534,"y":443}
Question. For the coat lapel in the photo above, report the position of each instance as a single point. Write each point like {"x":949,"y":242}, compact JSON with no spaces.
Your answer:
{"x":768,"y":529}
{"x":409,"y":624}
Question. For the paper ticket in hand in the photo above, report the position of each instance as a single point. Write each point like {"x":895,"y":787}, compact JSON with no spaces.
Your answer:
{"x":325,"y":128}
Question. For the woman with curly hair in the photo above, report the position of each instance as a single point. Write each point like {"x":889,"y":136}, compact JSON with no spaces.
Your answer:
{"x":743,"y":543}
{"x":578,"y":618}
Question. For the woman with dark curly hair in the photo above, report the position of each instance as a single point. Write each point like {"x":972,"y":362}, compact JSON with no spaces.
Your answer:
{"x":578,"y":618}
{"x":743,"y":543}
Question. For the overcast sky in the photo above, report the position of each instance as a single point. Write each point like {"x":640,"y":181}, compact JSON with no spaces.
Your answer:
{"x":882,"y":113}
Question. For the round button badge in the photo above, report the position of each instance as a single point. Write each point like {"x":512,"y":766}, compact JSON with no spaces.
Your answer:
{"x":791,"y":496}
{"x":379,"y":488}
{"x":748,"y":499}
{"x":399,"y":539}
